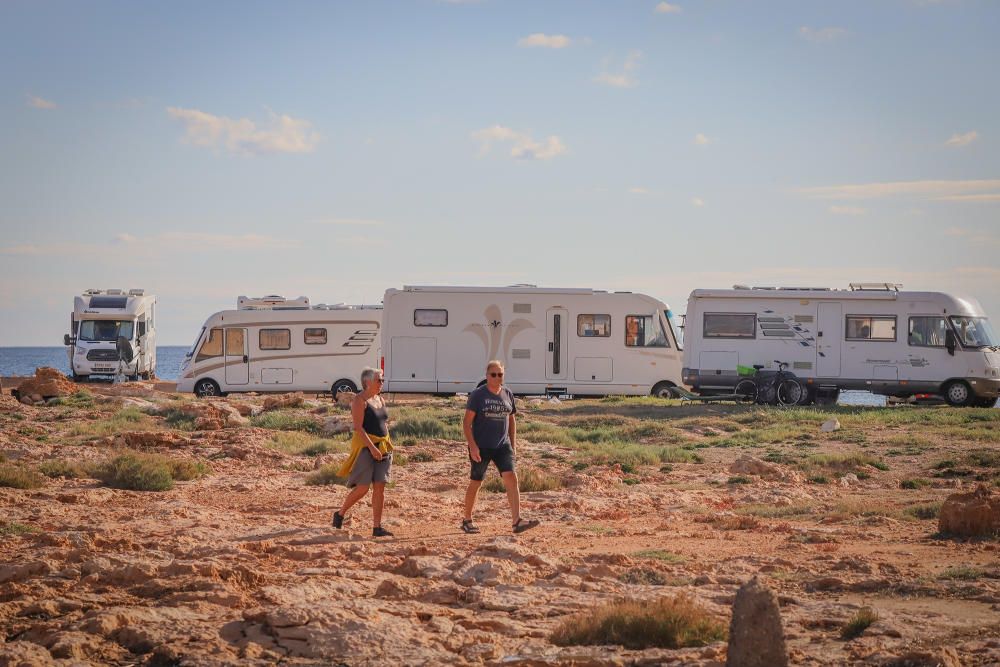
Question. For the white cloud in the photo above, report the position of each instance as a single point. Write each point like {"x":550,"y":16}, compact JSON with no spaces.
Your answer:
{"x":698,"y":201}
{"x":847,"y":210}
{"x":959,"y":140}
{"x":523,"y":147}
{"x":987,"y":197}
{"x":638,"y":191}
{"x":360,"y":222}
{"x":667,"y":8}
{"x":282,"y":134}
{"x":626,"y":78}
{"x":154,"y":245}
{"x":920,"y":189}
{"x":540,"y":39}
{"x":40,"y":103}
{"x":702,"y":140}
{"x":821,"y":34}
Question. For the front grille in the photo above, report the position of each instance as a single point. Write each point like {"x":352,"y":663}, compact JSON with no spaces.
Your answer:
{"x":102,"y":355}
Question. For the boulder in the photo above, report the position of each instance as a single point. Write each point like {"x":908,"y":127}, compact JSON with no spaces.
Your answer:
{"x":975,"y":514}
{"x":336,"y":426}
{"x":282,"y":401}
{"x":344,"y":398}
{"x":748,"y":465}
{"x":756,"y":638}
{"x":830,"y":425}
{"x":46,"y":383}
{"x":24,"y":654}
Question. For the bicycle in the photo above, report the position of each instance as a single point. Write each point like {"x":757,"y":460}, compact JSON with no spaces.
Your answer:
{"x":771,"y":388}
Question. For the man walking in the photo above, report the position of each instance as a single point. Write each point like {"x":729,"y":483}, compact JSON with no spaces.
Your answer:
{"x":491,"y":433}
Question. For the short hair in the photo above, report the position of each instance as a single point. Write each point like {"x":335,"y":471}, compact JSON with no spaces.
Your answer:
{"x":495,"y":363}
{"x":367,"y":375}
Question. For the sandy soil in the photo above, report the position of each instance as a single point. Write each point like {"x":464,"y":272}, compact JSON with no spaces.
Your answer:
{"x":243,"y":567}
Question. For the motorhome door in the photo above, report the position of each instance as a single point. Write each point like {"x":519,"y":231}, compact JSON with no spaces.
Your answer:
{"x":237,"y":361}
{"x":829,"y":333}
{"x":557,"y":339}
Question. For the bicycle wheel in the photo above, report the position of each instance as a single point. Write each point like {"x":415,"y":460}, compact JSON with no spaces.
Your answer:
{"x":747,"y":390}
{"x":790,"y":392}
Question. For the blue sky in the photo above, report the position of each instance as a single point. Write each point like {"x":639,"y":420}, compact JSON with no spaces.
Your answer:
{"x":208,"y":150}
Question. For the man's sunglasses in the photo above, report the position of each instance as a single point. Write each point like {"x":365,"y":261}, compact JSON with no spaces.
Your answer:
{"x":380,"y":379}
{"x":496,"y":375}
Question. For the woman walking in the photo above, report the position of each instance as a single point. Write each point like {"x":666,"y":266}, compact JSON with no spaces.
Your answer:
{"x":371,"y":451}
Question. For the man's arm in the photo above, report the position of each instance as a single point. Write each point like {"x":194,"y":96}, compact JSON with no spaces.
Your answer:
{"x":470,"y":415}
{"x":512,"y":431}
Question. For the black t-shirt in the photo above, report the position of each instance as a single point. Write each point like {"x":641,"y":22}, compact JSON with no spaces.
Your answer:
{"x":489,"y":428}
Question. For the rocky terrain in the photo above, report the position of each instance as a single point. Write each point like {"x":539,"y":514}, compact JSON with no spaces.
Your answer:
{"x":836,"y":511}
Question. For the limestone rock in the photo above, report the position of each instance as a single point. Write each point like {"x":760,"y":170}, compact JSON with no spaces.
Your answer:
{"x":830,"y":425}
{"x":344,"y":398}
{"x":748,"y":465}
{"x":282,"y":401}
{"x":23,"y":654}
{"x":941,"y":657}
{"x":975,"y":514}
{"x":756,"y":638}
{"x":336,"y":426}
{"x":46,"y":383}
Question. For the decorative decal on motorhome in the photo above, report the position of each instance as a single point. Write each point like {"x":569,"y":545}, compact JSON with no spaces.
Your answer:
{"x":788,"y":327}
{"x":493,"y":338}
{"x":361,"y":338}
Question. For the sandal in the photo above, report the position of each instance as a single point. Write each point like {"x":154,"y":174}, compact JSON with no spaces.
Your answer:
{"x":469,"y":527}
{"x":338,"y":520}
{"x":525,"y":524}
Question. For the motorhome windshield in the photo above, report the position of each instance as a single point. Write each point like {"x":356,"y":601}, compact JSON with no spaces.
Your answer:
{"x":106,"y":330}
{"x":196,"y":339}
{"x":975,"y":331}
{"x":677,"y":329}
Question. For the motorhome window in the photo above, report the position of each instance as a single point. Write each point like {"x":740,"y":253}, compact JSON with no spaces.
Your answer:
{"x":197,"y":339}
{"x":430,"y":317}
{"x":644,"y":331}
{"x":590,"y":326}
{"x":730,"y":325}
{"x":314,"y":337}
{"x":142,"y":328}
{"x":927,"y":331}
{"x":108,"y":301}
{"x":234,"y":343}
{"x":975,"y":332}
{"x":875,"y":327}
{"x":105,"y":330}
{"x":275,"y":339}
{"x":678,"y":328}
{"x":212,"y":347}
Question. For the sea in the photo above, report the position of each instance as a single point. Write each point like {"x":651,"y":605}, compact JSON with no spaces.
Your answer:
{"x":24,"y":360}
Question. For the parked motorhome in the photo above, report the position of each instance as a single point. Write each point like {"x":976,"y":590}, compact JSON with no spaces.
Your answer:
{"x":552,"y":341}
{"x":874,"y":337}
{"x":112,"y":331}
{"x":277,"y":344}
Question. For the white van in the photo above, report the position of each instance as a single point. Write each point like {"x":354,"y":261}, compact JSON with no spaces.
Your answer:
{"x":872,"y":336}
{"x":99,"y":319}
{"x":276,"y":344}
{"x":552,"y":341}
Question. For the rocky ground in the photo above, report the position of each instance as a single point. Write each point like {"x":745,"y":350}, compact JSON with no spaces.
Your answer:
{"x":645,"y":499}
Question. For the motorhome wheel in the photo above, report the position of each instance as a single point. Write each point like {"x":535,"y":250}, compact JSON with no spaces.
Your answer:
{"x":958,"y":394}
{"x":205,"y":388}
{"x":663,"y":390}
{"x":343,"y":385}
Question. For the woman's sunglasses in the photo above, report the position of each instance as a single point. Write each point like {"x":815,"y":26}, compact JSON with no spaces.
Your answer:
{"x":496,"y":375}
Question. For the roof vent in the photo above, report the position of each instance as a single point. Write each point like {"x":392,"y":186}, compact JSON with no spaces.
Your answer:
{"x":875,"y":287}
{"x":136,"y":292}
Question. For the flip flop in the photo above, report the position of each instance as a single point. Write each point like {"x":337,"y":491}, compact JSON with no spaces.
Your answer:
{"x":469,"y":527}
{"x":525,"y":524}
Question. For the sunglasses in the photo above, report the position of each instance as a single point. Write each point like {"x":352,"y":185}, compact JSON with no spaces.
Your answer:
{"x":379,"y":379}
{"x":496,"y":375}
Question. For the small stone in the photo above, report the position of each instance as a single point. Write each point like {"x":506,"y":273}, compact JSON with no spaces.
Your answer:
{"x":830,"y":425}
{"x":756,"y":638}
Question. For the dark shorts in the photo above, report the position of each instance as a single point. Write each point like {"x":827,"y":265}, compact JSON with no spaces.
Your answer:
{"x":367,"y":470}
{"x":502,"y":458}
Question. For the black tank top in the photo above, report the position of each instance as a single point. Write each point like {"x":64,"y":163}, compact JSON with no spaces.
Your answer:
{"x":376,"y":420}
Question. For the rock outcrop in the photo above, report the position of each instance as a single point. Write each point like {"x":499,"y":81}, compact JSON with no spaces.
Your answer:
{"x":975,"y":514}
{"x":756,"y":638}
{"x":46,"y":383}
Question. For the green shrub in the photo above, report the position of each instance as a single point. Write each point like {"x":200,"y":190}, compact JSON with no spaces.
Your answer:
{"x":136,"y":471}
{"x":962,"y":573}
{"x":924,"y":511}
{"x":528,"y":480}
{"x":326,"y":475}
{"x":858,"y":623}
{"x":660,"y":555}
{"x":174,"y":418}
{"x":819,"y":479}
{"x":284,"y":421}
{"x":120,"y":422}
{"x":738,"y":479}
{"x":79,"y":399}
{"x":913,"y":483}
{"x":13,"y":528}
{"x":297,"y":442}
{"x":426,"y":427}
{"x":421,"y":457}
{"x":669,"y":622}
{"x":61,"y":468}
{"x":18,"y":477}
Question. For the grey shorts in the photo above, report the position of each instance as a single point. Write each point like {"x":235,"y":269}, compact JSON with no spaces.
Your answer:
{"x":367,"y":470}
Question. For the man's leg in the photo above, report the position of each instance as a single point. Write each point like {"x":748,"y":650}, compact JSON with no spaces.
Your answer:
{"x":378,"y":501}
{"x":354,"y":496}
{"x":470,"y":497}
{"x":513,"y":495}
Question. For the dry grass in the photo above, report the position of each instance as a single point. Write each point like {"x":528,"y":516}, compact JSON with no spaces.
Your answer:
{"x":302,"y":444}
{"x":858,"y":623}
{"x":136,"y":471}
{"x":17,"y":477}
{"x":528,"y":481}
{"x":326,"y":475}
{"x":56,"y":468}
{"x":668,"y":622}
{"x":123,"y":421}
{"x":8,"y":528}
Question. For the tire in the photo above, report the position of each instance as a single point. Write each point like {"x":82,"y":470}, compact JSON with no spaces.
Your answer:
{"x":791,"y":392}
{"x":206,"y":388}
{"x":747,"y":389}
{"x":958,"y":394}
{"x":343,"y":384}
{"x":663,"y":389}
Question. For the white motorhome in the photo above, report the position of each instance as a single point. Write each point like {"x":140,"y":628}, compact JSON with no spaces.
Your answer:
{"x":99,"y":319}
{"x":276,"y":344}
{"x":872,"y":336}
{"x":552,"y":341}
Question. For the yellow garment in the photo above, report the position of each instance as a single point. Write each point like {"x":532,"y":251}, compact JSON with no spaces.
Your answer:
{"x":357,"y":444}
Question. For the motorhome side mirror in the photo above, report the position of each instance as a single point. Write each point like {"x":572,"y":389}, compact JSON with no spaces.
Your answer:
{"x":949,"y":341}
{"x":66,"y":340}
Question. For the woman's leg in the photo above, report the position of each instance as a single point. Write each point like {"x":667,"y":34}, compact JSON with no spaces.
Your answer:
{"x":354,"y":496}
{"x":378,"y":501}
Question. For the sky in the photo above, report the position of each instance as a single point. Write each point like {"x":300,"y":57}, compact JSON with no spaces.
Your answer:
{"x":203,"y":151}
